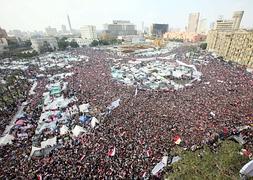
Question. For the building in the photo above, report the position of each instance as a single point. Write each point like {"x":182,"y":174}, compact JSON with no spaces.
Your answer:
{"x":3,"y":45}
{"x":202,"y":27}
{"x":237,"y":18}
{"x":236,"y":46}
{"x":158,"y":30}
{"x":80,"y":41}
{"x":64,"y":29}
{"x":135,"y":39}
{"x":88,"y":32}
{"x":224,"y":25}
{"x":229,"y":25}
{"x":185,"y":36}
{"x":51,"y":31}
{"x":193,"y":22}
{"x":3,"y":33}
{"x":39,"y":42}
{"x":120,"y":28}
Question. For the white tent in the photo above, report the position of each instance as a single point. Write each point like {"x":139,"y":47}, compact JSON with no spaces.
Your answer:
{"x":34,"y":149}
{"x":94,"y":121}
{"x":159,"y":166}
{"x":51,"y":142}
{"x":84,"y":107}
{"x":64,"y":130}
{"x":247,"y":169}
{"x":78,"y":130}
{"x":114,"y":104}
{"x":7,"y":139}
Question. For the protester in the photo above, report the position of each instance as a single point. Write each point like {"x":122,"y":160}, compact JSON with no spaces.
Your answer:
{"x":131,"y":139}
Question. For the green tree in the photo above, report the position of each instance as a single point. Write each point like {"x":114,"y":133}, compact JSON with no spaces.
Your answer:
{"x":73,"y":44}
{"x":94,"y":43}
{"x":63,"y":43}
{"x":203,"y":46}
{"x":46,"y":47}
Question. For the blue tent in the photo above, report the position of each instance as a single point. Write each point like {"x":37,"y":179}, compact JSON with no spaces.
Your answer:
{"x":85,"y":118}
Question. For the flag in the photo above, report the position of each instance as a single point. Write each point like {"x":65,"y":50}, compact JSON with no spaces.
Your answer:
{"x":39,"y":177}
{"x":144,"y":174}
{"x":82,"y":158}
{"x":111,"y":152}
{"x":177,"y":139}
{"x":149,"y":152}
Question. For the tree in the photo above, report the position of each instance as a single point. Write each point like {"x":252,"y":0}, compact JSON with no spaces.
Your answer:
{"x":203,"y":46}
{"x":63,"y":43}
{"x":94,"y":43}
{"x":46,"y":47}
{"x":73,"y":44}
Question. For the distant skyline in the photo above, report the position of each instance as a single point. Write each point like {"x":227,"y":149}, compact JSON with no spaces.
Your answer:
{"x":30,"y":15}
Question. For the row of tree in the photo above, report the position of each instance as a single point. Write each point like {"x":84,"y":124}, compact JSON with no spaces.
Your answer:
{"x":63,"y":44}
{"x":103,"y":42}
{"x":13,"y":89}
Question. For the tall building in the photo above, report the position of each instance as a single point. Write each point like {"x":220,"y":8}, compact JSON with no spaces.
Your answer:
{"x":120,"y":28}
{"x":3,"y":33}
{"x":202,"y":28}
{"x":230,"y":25}
{"x":51,"y":31}
{"x":3,"y":45}
{"x":193,"y":22}
{"x":88,"y":32}
{"x":158,"y":30}
{"x":232,"y":45}
{"x":64,"y":29}
{"x":70,"y":28}
{"x":237,"y":18}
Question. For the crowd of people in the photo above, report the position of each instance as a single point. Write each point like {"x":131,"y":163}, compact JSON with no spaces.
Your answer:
{"x":131,"y":139}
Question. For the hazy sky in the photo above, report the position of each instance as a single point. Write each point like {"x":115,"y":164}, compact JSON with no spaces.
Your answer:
{"x":38,"y":14}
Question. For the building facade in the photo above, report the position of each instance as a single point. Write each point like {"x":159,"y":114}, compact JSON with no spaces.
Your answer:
{"x":38,"y":43}
{"x":51,"y":31}
{"x":202,"y":27}
{"x":230,"y":25}
{"x":80,"y":41}
{"x":3,"y":45}
{"x":193,"y":22}
{"x":158,"y":30}
{"x":236,"y":46}
{"x":224,"y":25}
{"x":120,"y":28}
{"x":3,"y":33}
{"x":88,"y":32}
{"x":237,"y":18}
{"x":185,"y":36}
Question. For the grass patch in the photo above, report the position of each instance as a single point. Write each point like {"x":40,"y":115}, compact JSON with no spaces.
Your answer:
{"x":225,"y":163}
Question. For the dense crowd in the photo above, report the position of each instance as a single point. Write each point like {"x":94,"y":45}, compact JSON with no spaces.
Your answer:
{"x":142,"y":129}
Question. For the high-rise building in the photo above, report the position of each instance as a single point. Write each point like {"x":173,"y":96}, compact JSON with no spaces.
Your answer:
{"x":3,"y":45}
{"x":158,"y":30}
{"x":237,"y":18}
{"x":70,"y":28}
{"x":51,"y":31}
{"x":120,"y":28}
{"x":202,"y":28}
{"x":229,"y":25}
{"x":193,"y":22}
{"x":3,"y":33}
{"x":64,"y":29}
{"x":88,"y":32}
